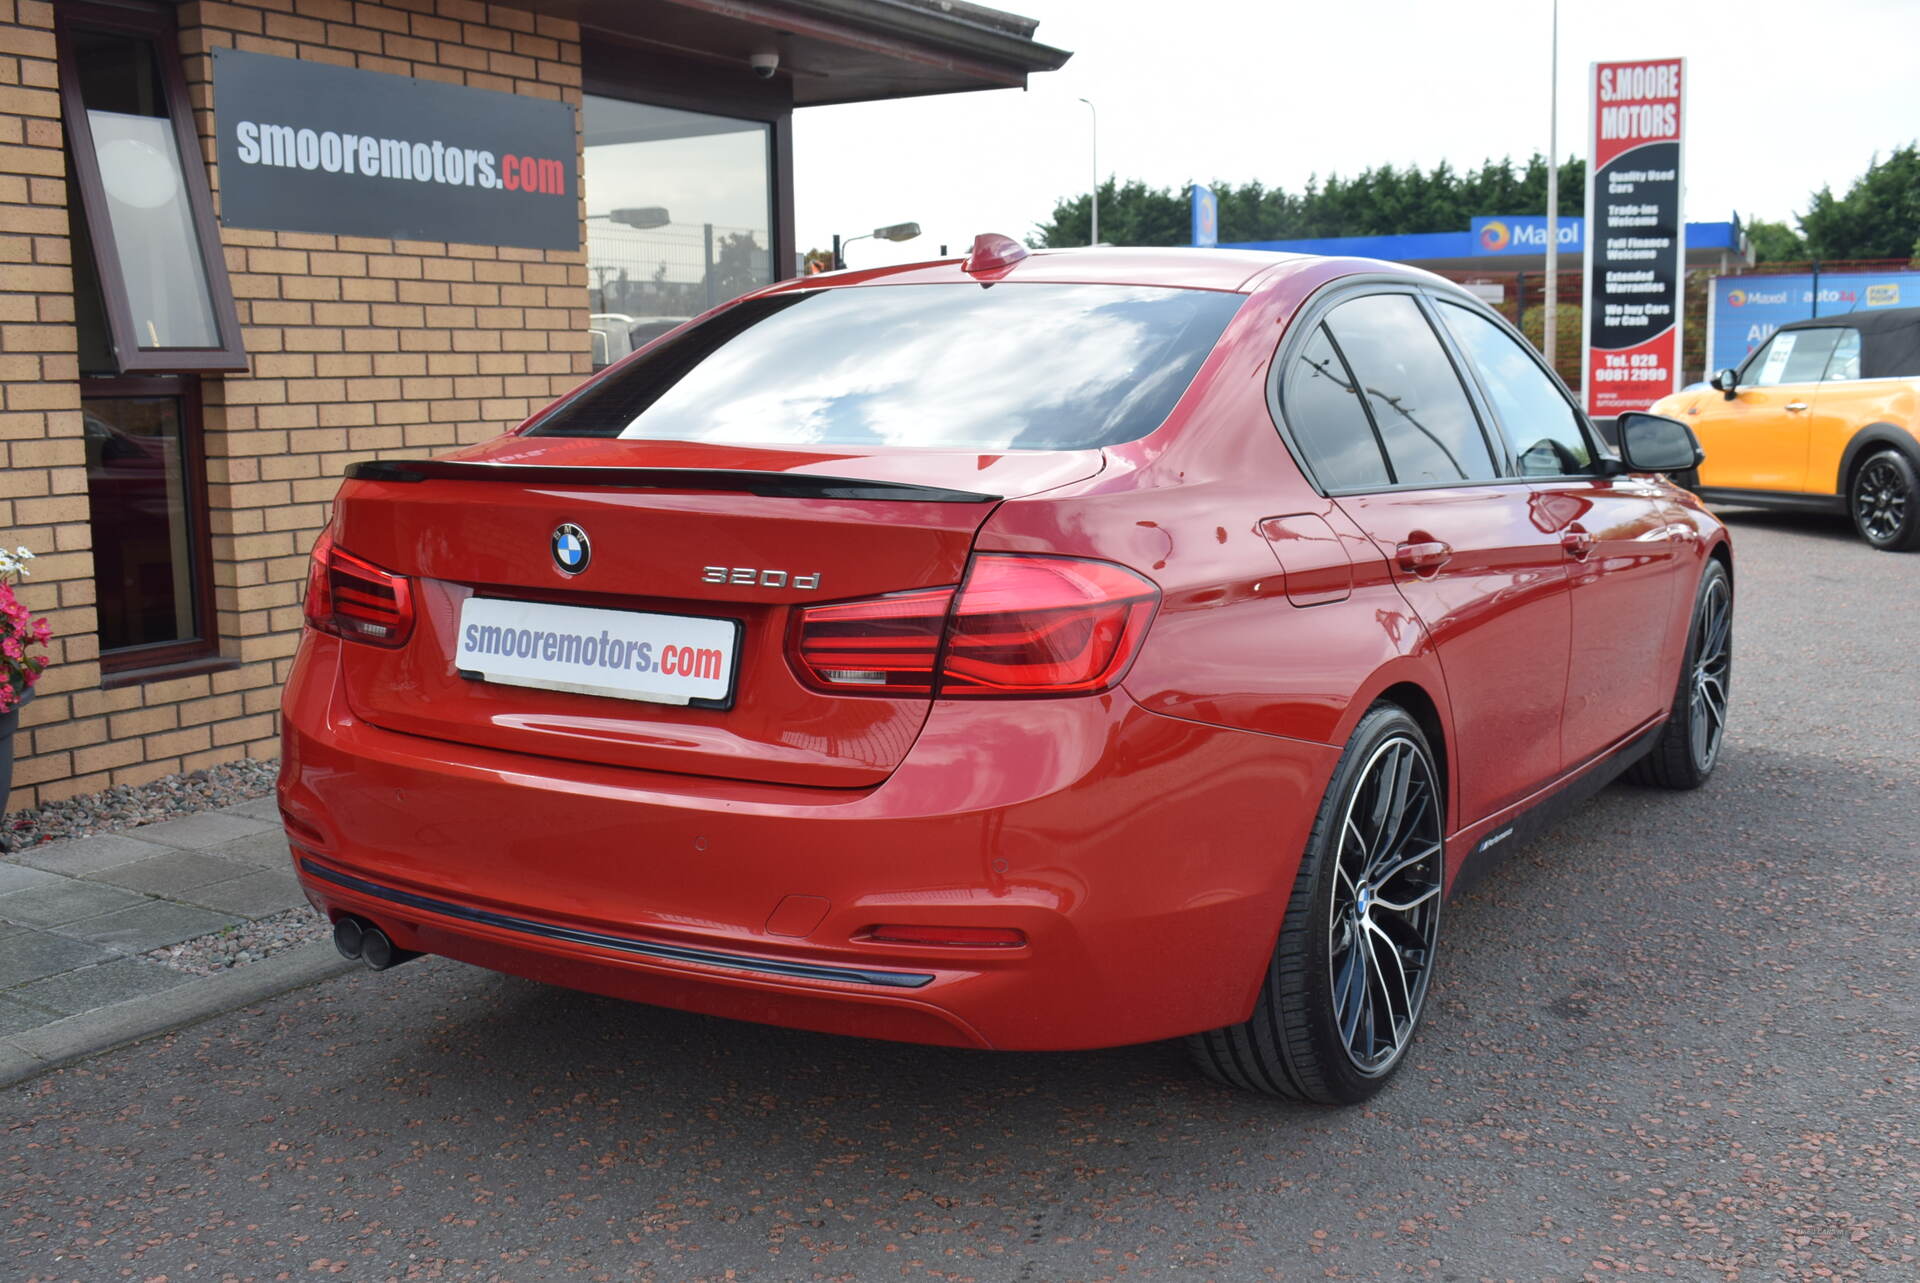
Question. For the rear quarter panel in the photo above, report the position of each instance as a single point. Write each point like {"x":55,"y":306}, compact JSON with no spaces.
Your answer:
{"x":1185,"y":506}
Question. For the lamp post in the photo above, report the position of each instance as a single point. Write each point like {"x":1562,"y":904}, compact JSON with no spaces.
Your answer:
{"x":1093,"y":146}
{"x":1550,"y":331}
{"x":892,"y":232}
{"x":643,"y":219}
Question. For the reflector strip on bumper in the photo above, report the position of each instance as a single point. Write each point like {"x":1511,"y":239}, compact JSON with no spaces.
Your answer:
{"x":625,"y":944}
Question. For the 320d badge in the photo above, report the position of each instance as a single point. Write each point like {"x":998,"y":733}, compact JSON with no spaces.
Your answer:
{"x":1149,"y":642}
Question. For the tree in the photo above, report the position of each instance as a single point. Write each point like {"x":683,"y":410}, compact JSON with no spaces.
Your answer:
{"x":1775,"y":242}
{"x":1383,"y":201}
{"x":1879,"y":217}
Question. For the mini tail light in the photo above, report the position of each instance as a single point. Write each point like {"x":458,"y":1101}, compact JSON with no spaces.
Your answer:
{"x":950,"y":937}
{"x":1019,"y":626}
{"x":351,"y":597}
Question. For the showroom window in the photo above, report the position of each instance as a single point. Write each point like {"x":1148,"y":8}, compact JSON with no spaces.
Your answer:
{"x":152,"y":311}
{"x":147,"y":258}
{"x":153,"y":592}
{"x":679,"y":217}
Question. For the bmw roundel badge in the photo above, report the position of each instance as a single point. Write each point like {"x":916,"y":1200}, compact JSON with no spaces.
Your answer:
{"x":571,"y":551}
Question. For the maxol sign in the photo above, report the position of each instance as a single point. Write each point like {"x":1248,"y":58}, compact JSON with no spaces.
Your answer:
{"x":1742,"y":311}
{"x":1526,"y":234}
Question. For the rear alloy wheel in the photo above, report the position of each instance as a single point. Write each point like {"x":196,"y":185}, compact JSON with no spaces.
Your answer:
{"x":1885,"y":502}
{"x":1348,"y":979}
{"x":1696,"y":727}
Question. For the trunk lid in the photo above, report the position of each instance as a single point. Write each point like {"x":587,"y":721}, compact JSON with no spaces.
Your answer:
{"x":663,"y":518}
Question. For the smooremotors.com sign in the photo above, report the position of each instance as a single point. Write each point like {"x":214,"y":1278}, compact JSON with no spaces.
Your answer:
{"x":308,"y":147}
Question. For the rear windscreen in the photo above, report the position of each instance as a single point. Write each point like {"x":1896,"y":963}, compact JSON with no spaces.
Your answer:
{"x":959,"y":367}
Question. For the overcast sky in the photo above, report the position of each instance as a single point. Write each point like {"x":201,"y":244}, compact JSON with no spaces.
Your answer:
{"x":1785,"y":96}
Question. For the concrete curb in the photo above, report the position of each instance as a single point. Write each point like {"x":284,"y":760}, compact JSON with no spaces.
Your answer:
{"x":35,"y":1051}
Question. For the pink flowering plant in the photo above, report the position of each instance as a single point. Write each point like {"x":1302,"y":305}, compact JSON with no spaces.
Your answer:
{"x":20,"y":633}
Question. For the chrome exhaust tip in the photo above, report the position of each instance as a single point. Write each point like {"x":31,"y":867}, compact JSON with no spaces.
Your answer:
{"x":349,"y":937}
{"x":379,"y":952}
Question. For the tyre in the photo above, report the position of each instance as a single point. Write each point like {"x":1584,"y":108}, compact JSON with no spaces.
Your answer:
{"x":1885,"y":501}
{"x":1347,"y":983}
{"x":1690,"y":741}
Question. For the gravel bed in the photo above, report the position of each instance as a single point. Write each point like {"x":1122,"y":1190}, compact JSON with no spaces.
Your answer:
{"x":238,"y":945}
{"x":125,"y":806}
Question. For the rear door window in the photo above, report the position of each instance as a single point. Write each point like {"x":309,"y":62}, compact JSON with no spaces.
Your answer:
{"x":955,"y":367}
{"x":1321,"y":404}
{"x":1845,"y":362}
{"x":1541,"y":425}
{"x":1429,"y":428}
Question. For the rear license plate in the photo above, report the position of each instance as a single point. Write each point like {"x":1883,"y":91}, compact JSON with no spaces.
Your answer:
{"x":622,"y":654}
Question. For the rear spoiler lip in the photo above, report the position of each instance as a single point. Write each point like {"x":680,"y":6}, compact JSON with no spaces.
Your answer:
{"x":777,"y":485}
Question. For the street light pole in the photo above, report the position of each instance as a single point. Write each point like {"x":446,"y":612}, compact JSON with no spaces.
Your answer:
{"x":1094,"y":147}
{"x":1550,"y":330}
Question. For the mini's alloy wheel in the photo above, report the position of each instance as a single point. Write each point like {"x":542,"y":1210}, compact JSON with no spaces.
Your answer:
{"x":1885,"y":502}
{"x":1385,"y":914}
{"x":1348,"y":979}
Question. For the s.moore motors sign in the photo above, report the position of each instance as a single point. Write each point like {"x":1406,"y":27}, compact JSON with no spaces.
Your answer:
{"x":309,"y":147}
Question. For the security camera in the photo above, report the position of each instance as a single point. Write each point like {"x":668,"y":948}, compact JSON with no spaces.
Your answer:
{"x":765,"y":64}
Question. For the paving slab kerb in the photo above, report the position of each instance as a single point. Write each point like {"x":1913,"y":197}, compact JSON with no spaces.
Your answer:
{"x":78,"y":919}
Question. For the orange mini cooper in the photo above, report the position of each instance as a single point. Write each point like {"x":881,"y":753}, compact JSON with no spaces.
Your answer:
{"x":1824,"y":416}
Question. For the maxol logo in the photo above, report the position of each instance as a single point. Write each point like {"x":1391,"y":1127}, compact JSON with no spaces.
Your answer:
{"x":1736,"y":298}
{"x":1494,"y":237}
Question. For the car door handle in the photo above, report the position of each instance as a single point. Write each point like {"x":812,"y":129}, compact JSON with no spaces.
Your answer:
{"x":1577,"y":542}
{"x":1423,"y":557}
{"x":1795,"y":407}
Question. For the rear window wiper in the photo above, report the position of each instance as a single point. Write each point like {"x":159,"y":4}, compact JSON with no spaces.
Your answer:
{"x":778,"y":485}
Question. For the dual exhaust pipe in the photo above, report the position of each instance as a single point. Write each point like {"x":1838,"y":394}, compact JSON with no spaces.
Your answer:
{"x":358,"y":938}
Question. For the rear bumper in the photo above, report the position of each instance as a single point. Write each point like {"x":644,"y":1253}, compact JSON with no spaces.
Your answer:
{"x":1146,"y":859}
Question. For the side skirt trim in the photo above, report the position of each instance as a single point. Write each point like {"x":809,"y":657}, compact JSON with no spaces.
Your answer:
{"x":624,"y":944}
{"x":1536,"y":817}
{"x":1787,"y":500}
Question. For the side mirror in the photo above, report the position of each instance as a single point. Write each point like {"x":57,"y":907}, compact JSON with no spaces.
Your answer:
{"x":1655,"y":443}
{"x":1727,"y":383}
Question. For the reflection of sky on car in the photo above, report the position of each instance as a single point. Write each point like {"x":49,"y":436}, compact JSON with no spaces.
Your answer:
{"x":956,"y":366}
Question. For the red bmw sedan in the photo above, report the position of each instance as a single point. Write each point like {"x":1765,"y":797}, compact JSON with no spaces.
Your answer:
{"x":1032,"y":650}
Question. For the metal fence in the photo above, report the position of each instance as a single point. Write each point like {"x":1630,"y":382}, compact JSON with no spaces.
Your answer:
{"x":680,"y":269}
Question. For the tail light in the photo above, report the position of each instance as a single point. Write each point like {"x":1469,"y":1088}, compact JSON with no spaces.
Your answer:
{"x":1019,"y":626}
{"x":351,"y":597}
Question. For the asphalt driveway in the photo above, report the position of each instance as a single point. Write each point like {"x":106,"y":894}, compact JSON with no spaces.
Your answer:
{"x":1679,"y":1037}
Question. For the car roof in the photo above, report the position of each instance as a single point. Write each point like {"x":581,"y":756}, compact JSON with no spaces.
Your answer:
{"x":1877,"y":321}
{"x":1889,"y":339}
{"x":1235,"y":270}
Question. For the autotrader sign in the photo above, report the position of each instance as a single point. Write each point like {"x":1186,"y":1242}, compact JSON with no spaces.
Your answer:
{"x":1636,"y":248}
{"x":309,"y":147}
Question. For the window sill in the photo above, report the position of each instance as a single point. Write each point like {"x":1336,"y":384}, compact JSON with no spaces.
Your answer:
{"x":166,"y":672}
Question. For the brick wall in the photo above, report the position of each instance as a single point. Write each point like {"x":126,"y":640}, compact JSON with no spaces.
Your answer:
{"x":359,"y":348}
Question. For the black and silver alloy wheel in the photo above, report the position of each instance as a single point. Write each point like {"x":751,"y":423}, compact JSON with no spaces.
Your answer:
{"x":1348,"y":978}
{"x":1712,"y":665}
{"x":1385,"y":912}
{"x":1689,"y":743}
{"x":1885,"y":502}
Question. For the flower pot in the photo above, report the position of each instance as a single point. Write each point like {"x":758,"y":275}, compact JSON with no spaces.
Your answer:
{"x":9,"y":723}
